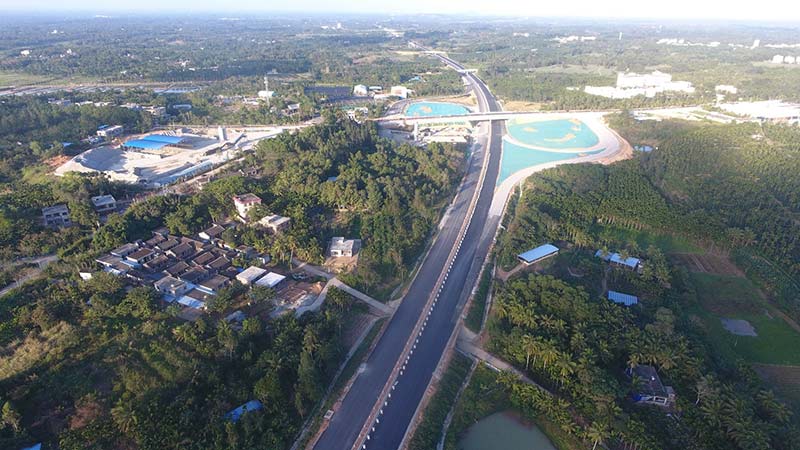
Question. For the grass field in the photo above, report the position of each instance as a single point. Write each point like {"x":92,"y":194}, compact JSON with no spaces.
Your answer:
{"x":20,"y":79}
{"x":737,"y":298}
{"x":666,"y":242}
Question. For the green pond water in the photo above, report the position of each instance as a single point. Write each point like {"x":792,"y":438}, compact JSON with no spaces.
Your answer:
{"x":504,"y":431}
{"x":555,"y":134}
{"x":435,"y":109}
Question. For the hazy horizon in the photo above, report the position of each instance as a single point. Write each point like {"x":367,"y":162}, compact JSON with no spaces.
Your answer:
{"x":682,"y":10}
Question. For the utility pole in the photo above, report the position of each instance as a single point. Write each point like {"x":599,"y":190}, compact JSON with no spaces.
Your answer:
{"x":266,"y":88}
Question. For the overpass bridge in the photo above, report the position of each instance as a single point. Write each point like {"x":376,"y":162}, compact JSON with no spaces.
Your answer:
{"x":472,"y":118}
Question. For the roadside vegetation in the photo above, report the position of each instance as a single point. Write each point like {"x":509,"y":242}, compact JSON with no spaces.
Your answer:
{"x":429,"y":431}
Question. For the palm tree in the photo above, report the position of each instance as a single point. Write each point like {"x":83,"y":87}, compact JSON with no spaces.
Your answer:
{"x":705,"y":386}
{"x":597,"y":433}
{"x":124,"y":416}
{"x":532,"y":346}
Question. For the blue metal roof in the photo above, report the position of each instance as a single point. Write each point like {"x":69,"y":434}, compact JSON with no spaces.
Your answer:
{"x":235,"y":414}
{"x":622,"y":299}
{"x":538,"y":253}
{"x":617,"y":259}
{"x":164,"y":138}
{"x":146,"y":144}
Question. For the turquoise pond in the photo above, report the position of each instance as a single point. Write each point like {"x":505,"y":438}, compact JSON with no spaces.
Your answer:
{"x":504,"y":431}
{"x":434,"y":109}
{"x":555,"y":134}
{"x":516,"y":158}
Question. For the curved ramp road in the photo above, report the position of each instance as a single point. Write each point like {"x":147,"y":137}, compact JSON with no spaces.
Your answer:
{"x":462,"y":230}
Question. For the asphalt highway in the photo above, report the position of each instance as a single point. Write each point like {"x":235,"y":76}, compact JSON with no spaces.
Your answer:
{"x":342,"y":432}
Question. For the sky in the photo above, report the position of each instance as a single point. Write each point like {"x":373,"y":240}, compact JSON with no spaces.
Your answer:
{"x":740,"y":10}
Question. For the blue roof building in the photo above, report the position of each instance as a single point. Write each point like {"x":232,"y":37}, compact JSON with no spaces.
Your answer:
{"x":615,"y":258}
{"x":622,"y":299}
{"x":144,"y":144}
{"x":164,"y":138}
{"x":235,"y":414}
{"x":153,"y":142}
{"x":537,"y":254}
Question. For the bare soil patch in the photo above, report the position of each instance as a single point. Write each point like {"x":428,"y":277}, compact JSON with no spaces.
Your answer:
{"x":706,"y":263}
{"x":784,"y":379}
{"x":56,"y":161}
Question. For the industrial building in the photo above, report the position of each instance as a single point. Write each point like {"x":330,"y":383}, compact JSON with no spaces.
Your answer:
{"x":633,"y":84}
{"x":537,"y":254}
{"x":622,"y":299}
{"x":616,"y":259}
{"x":765,"y":111}
{"x":154,"y":142}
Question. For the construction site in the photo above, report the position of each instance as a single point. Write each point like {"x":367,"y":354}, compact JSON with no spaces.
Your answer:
{"x":158,"y":159}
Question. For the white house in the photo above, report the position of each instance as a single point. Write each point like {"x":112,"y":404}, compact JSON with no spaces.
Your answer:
{"x":275,"y":223}
{"x":360,"y":90}
{"x":250,"y":275}
{"x":341,"y":247}
{"x":270,"y":280}
{"x":244,"y":203}
{"x":109,"y":132}
{"x":172,"y":286}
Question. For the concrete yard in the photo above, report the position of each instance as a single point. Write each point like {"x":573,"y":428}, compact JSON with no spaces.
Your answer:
{"x":155,"y":168}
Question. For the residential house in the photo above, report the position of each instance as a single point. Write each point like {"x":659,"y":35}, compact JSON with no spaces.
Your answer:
{"x":271,"y":280}
{"x":171,"y":286}
{"x":250,"y":275}
{"x":177,"y":269}
{"x":194,"y":275}
{"x":341,"y":247}
{"x":214,"y":232}
{"x":158,"y":263}
{"x":214,"y":284}
{"x":648,"y":388}
{"x":218,"y":265}
{"x":124,"y":250}
{"x":108,"y":132}
{"x":141,"y":256}
{"x":56,"y":216}
{"x":275,"y":223}
{"x":181,"y":251}
{"x":104,"y":204}
{"x":167,"y":244}
{"x":244,"y":203}
{"x":203,"y":258}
